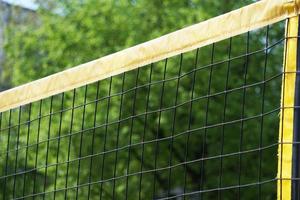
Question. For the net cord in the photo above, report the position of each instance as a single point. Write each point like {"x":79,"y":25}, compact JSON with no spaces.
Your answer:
{"x":296,"y":150}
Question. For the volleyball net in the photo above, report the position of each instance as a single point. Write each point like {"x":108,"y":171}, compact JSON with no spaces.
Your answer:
{"x":206,"y":112}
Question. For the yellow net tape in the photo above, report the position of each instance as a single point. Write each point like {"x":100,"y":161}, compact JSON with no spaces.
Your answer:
{"x":216,"y":29}
{"x":287,"y":112}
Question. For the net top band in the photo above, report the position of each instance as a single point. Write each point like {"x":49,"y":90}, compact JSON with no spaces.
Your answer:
{"x":239,"y":21}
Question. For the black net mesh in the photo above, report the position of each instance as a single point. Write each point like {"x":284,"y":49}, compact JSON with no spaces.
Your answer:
{"x":200,"y":125}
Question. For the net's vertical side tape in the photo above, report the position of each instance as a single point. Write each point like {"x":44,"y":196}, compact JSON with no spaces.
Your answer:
{"x":284,"y":185}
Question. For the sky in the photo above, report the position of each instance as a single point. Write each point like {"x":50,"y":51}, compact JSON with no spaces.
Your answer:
{"x":25,"y":3}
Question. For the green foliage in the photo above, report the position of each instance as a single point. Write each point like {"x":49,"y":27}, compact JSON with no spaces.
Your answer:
{"x":68,"y":33}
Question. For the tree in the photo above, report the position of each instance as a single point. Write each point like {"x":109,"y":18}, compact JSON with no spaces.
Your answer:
{"x":68,"y":33}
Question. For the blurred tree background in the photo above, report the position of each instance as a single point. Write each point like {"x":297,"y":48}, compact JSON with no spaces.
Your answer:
{"x":66,"y":33}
